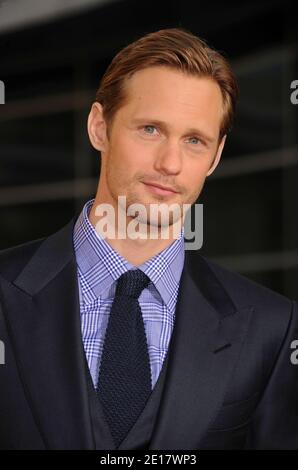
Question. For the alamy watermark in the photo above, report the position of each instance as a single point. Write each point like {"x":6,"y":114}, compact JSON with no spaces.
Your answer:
{"x":294,"y":94}
{"x":2,"y":353}
{"x":151,"y":221}
{"x":294,"y":355}
{"x":2,"y":92}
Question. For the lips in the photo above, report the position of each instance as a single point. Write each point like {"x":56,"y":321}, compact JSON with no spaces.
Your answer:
{"x":160,"y":188}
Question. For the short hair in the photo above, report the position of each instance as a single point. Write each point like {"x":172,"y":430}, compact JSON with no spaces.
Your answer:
{"x":177,"y":49}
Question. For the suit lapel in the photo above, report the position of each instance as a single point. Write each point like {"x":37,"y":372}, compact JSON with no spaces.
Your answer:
{"x":44,"y":321}
{"x":204,"y":347}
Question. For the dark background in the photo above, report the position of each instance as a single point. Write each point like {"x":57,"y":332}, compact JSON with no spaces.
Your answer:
{"x":48,"y":169}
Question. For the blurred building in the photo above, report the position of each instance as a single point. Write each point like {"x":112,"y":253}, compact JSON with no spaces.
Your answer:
{"x":52,"y":56}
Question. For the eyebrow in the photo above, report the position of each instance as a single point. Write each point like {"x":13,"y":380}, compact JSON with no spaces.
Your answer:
{"x":163,"y":126}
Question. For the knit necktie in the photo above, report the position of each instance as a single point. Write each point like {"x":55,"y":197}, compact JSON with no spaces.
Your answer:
{"x":125,"y":375}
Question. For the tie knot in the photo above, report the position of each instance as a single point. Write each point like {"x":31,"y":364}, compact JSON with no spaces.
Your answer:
{"x":132,"y":283}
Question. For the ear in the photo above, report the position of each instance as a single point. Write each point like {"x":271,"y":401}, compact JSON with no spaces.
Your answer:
{"x":218,"y":155}
{"x":97,"y":128}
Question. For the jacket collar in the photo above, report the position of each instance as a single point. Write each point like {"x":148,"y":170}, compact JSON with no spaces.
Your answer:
{"x":44,"y":317}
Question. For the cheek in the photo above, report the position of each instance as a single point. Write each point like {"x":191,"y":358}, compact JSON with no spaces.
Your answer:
{"x":127,"y":154}
{"x":122,"y":168}
{"x":195,"y":175}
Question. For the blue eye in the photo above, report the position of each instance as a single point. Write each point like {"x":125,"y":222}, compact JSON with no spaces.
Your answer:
{"x":195,"y":138}
{"x":148,"y":126}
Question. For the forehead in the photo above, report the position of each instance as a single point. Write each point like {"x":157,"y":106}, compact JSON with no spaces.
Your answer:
{"x":164,"y":93}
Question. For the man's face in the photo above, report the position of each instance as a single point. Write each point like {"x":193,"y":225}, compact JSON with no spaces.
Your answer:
{"x":166,"y":134}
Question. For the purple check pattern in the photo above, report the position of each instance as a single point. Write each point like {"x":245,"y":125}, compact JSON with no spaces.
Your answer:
{"x":98,"y":268}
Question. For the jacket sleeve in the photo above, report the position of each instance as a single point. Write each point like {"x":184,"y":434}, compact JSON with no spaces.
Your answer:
{"x":275,"y":423}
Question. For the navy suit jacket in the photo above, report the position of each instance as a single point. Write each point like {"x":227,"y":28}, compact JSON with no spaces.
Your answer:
{"x":230,"y":381}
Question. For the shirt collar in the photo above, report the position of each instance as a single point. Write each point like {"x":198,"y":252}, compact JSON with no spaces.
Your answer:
{"x":100,"y":265}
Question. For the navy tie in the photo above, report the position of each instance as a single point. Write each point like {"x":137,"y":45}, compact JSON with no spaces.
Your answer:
{"x":125,"y":375}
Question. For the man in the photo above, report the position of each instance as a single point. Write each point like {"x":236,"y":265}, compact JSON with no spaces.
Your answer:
{"x":115,"y":342}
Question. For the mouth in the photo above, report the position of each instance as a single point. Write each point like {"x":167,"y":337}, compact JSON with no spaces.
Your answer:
{"x":159,"y":189}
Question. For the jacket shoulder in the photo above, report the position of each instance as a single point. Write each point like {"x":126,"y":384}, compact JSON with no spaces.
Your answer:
{"x":241,"y":287}
{"x":13,"y":259}
{"x":244,"y":291}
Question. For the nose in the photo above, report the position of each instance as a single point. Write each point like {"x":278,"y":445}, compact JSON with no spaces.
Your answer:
{"x":169,"y":158}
